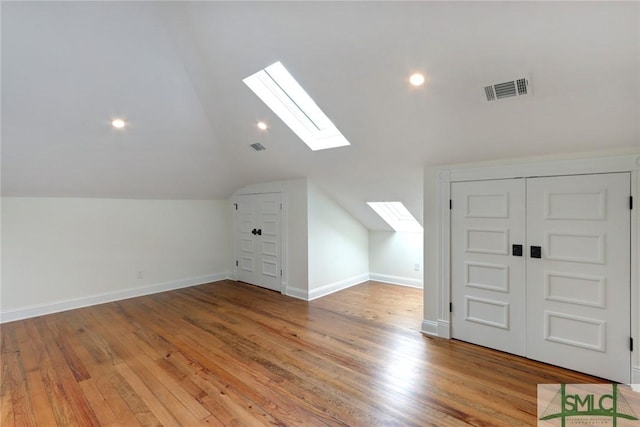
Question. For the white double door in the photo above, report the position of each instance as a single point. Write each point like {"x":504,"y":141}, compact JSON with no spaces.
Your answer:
{"x":257,"y":239}
{"x":541,"y":268}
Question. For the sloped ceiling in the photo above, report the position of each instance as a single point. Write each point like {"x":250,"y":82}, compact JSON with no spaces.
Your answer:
{"x":174,"y":71}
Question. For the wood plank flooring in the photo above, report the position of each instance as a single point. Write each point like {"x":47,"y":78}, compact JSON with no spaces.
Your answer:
{"x":231,"y":354}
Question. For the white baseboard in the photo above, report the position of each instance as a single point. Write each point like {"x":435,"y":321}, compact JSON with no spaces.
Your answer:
{"x":429,"y":327}
{"x":337,"y":286}
{"x":58,"y":306}
{"x":297,"y":293}
{"x":444,"y":329}
{"x":70,"y":304}
{"x":436,"y":328}
{"x":635,"y":375}
{"x":347,"y":283}
{"x":396,"y":280}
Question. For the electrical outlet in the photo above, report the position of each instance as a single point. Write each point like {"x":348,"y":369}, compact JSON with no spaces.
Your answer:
{"x":416,"y":267}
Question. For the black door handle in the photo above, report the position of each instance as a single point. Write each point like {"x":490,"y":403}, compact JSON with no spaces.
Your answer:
{"x":536,"y":252}
{"x":516,"y":250}
{"x":254,"y":231}
{"x":259,"y":232}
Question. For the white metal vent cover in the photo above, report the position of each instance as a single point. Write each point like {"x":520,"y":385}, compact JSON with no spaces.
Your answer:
{"x":508,"y":89}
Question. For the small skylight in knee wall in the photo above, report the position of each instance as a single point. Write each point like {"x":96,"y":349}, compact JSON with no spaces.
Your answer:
{"x":396,"y":215}
{"x":282,"y":93}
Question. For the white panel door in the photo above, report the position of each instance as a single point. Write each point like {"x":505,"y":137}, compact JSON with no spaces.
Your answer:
{"x":245,"y":241}
{"x":487,"y":280}
{"x":257,"y":240}
{"x":578,"y":291}
{"x":268,"y":240}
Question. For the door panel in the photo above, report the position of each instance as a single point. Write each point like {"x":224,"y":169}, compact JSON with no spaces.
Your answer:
{"x":487,"y":281}
{"x":269,"y":224}
{"x":578,"y":293}
{"x":245,"y":240}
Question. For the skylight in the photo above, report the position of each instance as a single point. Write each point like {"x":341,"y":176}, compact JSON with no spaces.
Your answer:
{"x":282,"y":93}
{"x":396,"y":215}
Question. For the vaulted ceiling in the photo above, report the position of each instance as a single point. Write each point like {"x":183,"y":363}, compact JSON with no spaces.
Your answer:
{"x":174,"y":71}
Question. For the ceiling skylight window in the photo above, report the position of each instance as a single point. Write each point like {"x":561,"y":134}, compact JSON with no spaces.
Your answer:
{"x":282,"y":93}
{"x":396,"y":215}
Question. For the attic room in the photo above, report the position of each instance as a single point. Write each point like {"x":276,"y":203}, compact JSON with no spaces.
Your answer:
{"x":176,"y":251}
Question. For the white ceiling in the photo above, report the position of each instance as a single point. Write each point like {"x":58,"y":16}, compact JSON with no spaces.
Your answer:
{"x":174,"y":71}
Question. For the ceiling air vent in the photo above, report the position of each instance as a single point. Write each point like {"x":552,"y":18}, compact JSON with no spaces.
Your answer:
{"x":258,"y":147}
{"x":508,"y":89}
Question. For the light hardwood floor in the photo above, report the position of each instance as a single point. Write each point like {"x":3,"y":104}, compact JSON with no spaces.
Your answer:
{"x":232,"y":354}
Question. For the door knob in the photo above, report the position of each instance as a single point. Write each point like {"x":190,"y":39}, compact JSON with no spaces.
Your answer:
{"x":536,"y":252}
{"x":254,"y":231}
{"x":259,"y":231}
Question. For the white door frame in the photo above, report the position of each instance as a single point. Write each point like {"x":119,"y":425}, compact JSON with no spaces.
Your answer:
{"x":284,"y":251}
{"x":629,"y":163}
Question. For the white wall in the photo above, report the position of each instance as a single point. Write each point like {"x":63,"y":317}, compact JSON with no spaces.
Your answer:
{"x":338,"y":246}
{"x":393,"y":257}
{"x":297,"y":237}
{"x":60,"y":253}
{"x":431,"y":246}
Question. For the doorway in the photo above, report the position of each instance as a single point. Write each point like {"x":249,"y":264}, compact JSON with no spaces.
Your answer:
{"x":257,"y":240}
{"x":540,"y":267}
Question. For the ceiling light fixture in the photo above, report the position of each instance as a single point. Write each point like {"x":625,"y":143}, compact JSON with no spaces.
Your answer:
{"x":118,"y":123}
{"x":282,"y":93}
{"x":416,"y":79}
{"x":262,"y":126}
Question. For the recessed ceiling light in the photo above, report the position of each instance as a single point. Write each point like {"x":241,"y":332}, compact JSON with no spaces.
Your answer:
{"x":262,"y":125}
{"x":118,"y":123}
{"x":416,"y":79}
